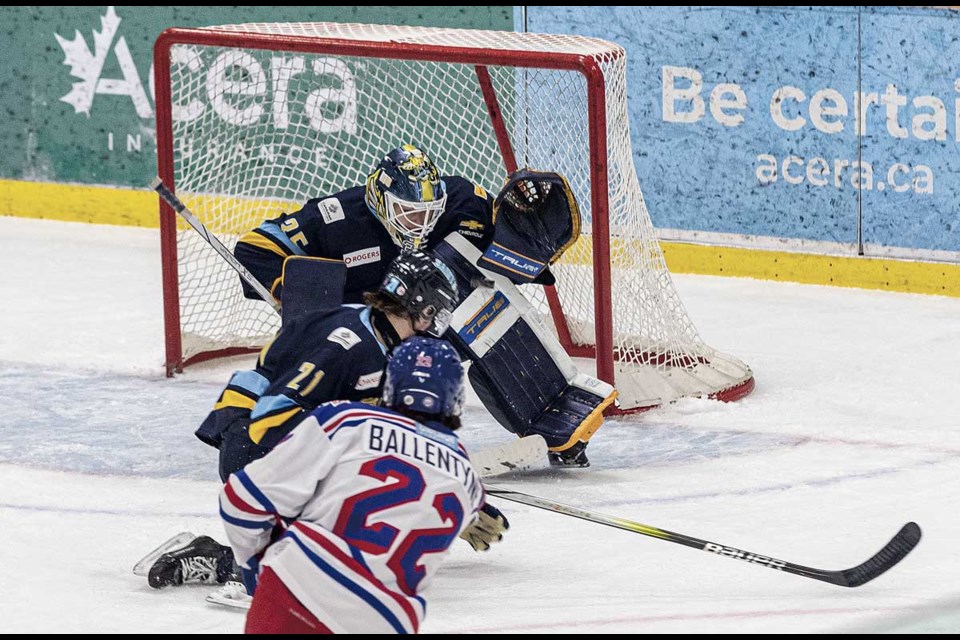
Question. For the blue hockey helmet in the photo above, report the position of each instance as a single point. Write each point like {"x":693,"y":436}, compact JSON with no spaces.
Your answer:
{"x":425,"y":375}
{"x":407,"y":195}
{"x":425,"y":286}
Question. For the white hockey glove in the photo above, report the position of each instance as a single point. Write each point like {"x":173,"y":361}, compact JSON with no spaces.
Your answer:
{"x":488,"y":527}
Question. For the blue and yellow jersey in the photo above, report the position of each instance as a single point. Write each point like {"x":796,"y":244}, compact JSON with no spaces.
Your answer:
{"x":331,"y":354}
{"x":342,"y":227}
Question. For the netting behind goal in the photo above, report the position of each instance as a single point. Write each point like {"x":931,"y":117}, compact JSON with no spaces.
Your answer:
{"x":255,"y":119}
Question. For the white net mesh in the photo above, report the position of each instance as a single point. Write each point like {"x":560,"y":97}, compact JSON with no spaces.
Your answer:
{"x":258,"y":131}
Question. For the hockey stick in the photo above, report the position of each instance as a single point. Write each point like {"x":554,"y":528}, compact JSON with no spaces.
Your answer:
{"x":894,"y":551}
{"x":177,"y":205}
{"x":515,"y":455}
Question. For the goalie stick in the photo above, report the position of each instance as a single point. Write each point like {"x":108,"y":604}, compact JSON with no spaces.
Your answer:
{"x":177,"y":205}
{"x":515,"y":455}
{"x":894,"y":551}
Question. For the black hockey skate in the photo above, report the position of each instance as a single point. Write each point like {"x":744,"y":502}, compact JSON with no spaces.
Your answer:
{"x":575,"y":456}
{"x":202,"y":561}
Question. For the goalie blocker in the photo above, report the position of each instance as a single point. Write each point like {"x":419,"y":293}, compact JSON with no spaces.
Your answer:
{"x":519,"y":369}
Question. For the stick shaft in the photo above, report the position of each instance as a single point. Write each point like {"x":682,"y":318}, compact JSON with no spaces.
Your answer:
{"x":177,"y":205}
{"x":894,"y":551}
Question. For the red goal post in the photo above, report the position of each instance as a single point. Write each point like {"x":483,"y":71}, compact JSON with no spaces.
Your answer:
{"x":255,"y":119}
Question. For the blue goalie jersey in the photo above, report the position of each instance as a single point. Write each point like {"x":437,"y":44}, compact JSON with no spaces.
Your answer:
{"x":342,"y":227}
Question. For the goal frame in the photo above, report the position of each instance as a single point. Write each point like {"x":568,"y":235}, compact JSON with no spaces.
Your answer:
{"x":604,"y":349}
{"x":480,"y":59}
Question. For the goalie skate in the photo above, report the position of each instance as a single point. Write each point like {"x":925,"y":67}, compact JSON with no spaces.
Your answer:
{"x":574,"y":457}
{"x":182,"y":539}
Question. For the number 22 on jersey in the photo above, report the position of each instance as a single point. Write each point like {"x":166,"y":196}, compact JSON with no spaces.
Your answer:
{"x":407,"y":486}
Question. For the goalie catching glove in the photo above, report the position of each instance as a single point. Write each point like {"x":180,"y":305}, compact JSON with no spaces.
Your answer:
{"x":536,"y":219}
{"x":488,"y":527}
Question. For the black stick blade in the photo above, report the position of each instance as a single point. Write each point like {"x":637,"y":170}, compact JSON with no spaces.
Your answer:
{"x":895,"y":551}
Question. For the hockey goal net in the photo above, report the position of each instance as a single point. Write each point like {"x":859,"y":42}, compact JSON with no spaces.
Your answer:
{"x":254,"y":119}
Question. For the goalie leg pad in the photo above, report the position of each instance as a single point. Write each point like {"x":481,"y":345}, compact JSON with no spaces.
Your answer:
{"x":518,"y":369}
{"x":574,"y":405}
{"x":522,"y":406}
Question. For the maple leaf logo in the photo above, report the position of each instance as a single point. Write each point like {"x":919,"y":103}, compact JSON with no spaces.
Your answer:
{"x":85,"y":65}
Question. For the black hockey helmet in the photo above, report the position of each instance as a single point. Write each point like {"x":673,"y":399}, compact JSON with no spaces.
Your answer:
{"x":424,"y":286}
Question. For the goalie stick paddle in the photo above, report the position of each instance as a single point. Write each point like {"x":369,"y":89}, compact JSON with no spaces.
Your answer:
{"x":177,"y":205}
{"x":894,"y":551}
{"x":515,"y":455}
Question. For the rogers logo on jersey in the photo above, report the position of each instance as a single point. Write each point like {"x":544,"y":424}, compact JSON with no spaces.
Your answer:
{"x":363,"y":256}
{"x":369,"y":381}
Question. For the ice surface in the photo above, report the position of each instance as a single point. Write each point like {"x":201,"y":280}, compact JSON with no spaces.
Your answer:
{"x":851,"y":432}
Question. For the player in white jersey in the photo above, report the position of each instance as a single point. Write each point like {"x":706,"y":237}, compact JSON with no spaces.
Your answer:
{"x":341,"y":527}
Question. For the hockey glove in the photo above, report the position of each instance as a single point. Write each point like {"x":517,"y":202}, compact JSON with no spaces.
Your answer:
{"x":487,"y":528}
{"x":536,"y":219}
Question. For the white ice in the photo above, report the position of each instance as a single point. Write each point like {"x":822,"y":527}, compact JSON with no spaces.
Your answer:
{"x":851,"y":432}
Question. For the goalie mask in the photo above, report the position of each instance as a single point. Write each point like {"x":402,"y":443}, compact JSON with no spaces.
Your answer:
{"x":425,"y":287}
{"x":407,"y":195}
{"x":425,"y":375}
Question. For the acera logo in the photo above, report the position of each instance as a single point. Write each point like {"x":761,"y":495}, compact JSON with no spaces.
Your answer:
{"x":281,"y":89}
{"x":87,"y":66}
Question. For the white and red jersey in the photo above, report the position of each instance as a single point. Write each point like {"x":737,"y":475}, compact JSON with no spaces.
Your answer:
{"x":368,"y":503}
